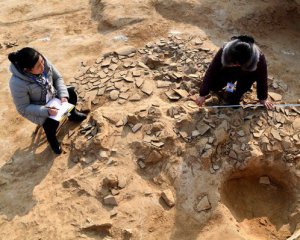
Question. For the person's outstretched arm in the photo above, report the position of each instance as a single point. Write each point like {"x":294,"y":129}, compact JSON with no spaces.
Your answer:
{"x":211,"y":74}
{"x":262,"y":83}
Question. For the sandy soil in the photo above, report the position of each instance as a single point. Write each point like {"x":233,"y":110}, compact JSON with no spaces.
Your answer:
{"x":43,"y":196}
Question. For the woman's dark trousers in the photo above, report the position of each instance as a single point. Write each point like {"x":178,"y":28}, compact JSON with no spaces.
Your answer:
{"x":50,"y":126}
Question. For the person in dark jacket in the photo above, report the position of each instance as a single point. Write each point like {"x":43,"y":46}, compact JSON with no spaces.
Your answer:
{"x":235,"y":67}
{"x":34,"y":82}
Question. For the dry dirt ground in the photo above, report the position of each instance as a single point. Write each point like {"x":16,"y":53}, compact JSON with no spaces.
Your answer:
{"x":213,"y":178}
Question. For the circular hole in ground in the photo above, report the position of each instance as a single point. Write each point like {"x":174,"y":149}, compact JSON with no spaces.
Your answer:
{"x":269,"y":206}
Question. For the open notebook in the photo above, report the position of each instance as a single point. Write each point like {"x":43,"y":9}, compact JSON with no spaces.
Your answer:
{"x":63,"y":108}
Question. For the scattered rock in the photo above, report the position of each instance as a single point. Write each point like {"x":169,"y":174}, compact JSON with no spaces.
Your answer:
{"x":136,"y":127}
{"x":147,"y":88}
{"x":163,"y":84}
{"x":110,"y":200}
{"x":168,"y":197}
{"x":203,"y":204}
{"x":296,"y":124}
{"x":276,"y":134}
{"x":99,"y":228}
{"x":135,"y":97}
{"x":275,"y":96}
{"x":154,"y":157}
{"x":114,"y":95}
{"x":111,"y":181}
{"x":264,"y":180}
{"x":125,"y":51}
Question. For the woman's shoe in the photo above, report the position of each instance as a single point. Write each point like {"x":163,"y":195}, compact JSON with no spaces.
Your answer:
{"x":77,"y":116}
{"x":55,"y":146}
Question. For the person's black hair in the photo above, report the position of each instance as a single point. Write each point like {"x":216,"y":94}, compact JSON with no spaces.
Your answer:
{"x":25,"y":58}
{"x":244,"y":38}
{"x":241,"y":52}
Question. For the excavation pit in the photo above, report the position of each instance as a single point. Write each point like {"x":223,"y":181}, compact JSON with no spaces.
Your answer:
{"x":263,"y":196}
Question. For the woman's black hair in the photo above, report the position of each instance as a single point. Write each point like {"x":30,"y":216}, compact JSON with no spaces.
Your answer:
{"x":25,"y":58}
{"x":244,"y":38}
{"x":241,"y":52}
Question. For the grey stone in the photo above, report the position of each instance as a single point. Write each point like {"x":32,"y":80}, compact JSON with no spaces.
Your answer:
{"x":110,"y":200}
{"x":203,"y":204}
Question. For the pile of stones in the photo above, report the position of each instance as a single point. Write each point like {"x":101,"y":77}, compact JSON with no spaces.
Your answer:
{"x":126,"y":74}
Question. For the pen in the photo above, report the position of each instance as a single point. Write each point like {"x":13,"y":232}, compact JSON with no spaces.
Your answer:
{"x":52,"y":108}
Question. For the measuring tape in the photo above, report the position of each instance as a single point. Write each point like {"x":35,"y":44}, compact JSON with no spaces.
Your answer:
{"x":254,"y":105}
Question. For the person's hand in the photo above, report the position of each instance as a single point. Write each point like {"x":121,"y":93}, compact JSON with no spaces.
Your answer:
{"x":200,"y":101}
{"x":52,"y":111}
{"x":63,"y":100}
{"x":268,"y":104}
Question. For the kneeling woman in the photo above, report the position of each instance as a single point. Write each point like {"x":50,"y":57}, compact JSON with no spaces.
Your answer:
{"x":34,"y":82}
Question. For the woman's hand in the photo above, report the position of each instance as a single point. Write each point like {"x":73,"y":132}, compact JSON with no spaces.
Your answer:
{"x":268,"y":104}
{"x":63,"y":100}
{"x":200,"y":101}
{"x":52,"y":111}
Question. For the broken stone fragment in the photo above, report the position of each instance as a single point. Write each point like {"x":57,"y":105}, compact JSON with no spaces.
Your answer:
{"x":221,"y":135}
{"x":113,"y":213}
{"x":296,"y":124}
{"x":136,"y":73}
{"x":233,"y":154}
{"x":286,"y":143}
{"x":141,"y":164}
{"x":124,"y":95}
{"x":154,"y":157}
{"x":172,"y":95}
{"x":102,"y":228}
{"x":195,"y":133}
{"x":147,"y":88}
{"x":203,"y":204}
{"x":157,"y":144}
{"x":241,"y":133}
{"x":135,"y":97}
{"x":127,"y":234}
{"x":114,"y":192}
{"x":264,"y":180}
{"x":163,"y":84}
{"x":258,"y":134}
{"x":168,"y":197}
{"x":275,"y":96}
{"x":110,"y":200}
{"x":182,"y":93}
{"x":87,"y":105}
{"x":276,"y":134}
{"x":142,"y":65}
{"x":103,"y":155}
{"x":125,"y":51}
{"x":202,"y":128}
{"x":139,"y":82}
{"x":111,"y":181}
{"x":136,"y":127}
{"x":114,"y":95}
{"x":122,"y":182}
{"x":106,"y":62}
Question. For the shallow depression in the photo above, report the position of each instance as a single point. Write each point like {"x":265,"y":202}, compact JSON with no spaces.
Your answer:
{"x":262,"y":193}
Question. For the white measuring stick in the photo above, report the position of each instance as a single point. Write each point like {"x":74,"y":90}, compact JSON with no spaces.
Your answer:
{"x":254,"y":105}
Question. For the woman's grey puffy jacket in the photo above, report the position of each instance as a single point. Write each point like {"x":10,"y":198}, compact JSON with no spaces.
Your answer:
{"x":27,"y":94}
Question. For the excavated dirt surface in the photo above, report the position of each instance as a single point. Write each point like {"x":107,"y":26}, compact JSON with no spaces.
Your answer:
{"x":147,"y":163}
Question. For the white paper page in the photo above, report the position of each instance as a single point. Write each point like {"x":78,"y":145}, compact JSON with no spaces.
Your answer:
{"x":63,"y":108}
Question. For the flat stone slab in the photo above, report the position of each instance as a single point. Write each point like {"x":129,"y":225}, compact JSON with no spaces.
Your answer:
{"x":125,"y":51}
